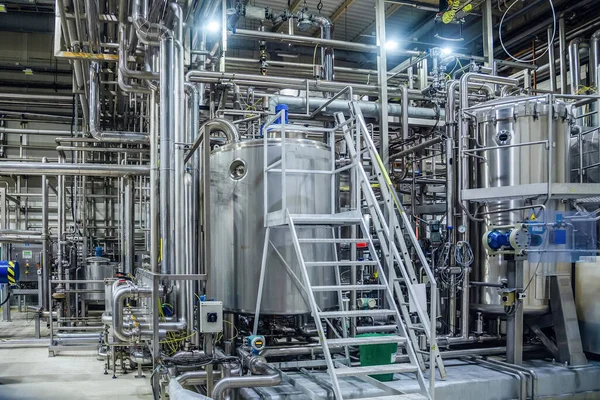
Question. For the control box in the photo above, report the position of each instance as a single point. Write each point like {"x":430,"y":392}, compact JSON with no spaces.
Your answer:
{"x":211,"y":316}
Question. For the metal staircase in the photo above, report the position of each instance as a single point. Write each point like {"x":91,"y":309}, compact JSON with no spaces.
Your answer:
{"x":396,"y":283}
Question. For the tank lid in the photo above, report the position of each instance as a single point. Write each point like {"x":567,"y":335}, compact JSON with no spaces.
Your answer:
{"x":514,"y":107}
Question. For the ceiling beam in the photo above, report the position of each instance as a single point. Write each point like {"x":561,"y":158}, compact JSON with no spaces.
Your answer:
{"x":391,"y":10}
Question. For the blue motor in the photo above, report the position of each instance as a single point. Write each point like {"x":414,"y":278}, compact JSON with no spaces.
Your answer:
{"x":496,"y":240}
{"x":9,"y":272}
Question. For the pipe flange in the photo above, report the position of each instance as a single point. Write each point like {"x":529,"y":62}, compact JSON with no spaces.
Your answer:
{"x":254,"y":362}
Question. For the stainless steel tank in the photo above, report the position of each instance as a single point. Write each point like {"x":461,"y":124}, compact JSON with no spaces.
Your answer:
{"x":97,"y":268}
{"x":506,"y":126}
{"x":238,"y":232}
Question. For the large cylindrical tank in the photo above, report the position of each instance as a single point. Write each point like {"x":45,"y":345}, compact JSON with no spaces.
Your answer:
{"x":238,"y":231}
{"x":97,"y":268}
{"x":506,"y":125}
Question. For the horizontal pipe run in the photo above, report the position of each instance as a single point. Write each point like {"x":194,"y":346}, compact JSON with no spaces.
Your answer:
{"x":369,"y":109}
{"x":102,"y":149}
{"x":38,"y":132}
{"x":35,"y":97}
{"x":38,"y":169}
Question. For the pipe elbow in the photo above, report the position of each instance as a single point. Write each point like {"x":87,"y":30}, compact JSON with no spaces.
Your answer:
{"x":223,"y":125}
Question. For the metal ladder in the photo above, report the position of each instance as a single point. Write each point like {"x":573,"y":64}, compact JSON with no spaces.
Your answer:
{"x":395,"y":303}
{"x":399,"y":227}
{"x":338,"y":367}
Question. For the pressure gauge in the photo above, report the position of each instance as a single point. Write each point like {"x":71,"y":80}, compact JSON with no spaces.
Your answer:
{"x":462,"y":229}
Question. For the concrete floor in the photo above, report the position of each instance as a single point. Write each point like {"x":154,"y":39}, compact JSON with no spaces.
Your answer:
{"x":28,"y":373}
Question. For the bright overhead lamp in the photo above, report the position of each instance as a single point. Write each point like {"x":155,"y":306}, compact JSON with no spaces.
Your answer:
{"x":213,"y":26}
{"x":446,"y":51}
{"x":391,"y":45}
{"x":2,"y":8}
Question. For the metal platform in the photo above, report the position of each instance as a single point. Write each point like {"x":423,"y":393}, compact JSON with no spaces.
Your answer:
{"x":465,"y":381}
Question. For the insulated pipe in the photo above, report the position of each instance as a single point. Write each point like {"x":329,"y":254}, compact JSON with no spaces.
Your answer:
{"x":312,"y":41}
{"x":369,"y":108}
{"x":594,"y":58}
{"x":280,"y":82}
{"x":167,"y":129}
{"x":45,"y":244}
{"x":117,"y":309}
{"x":94,"y":115}
{"x":49,"y":132}
{"x":38,"y":169}
{"x":574,"y":65}
{"x":327,"y":51}
{"x":154,"y":175}
{"x":14,"y":238}
{"x":129,"y":224}
{"x":551,"y":58}
{"x":214,"y":125}
{"x":266,"y":376}
{"x":177,"y":150}
{"x":93,"y":23}
{"x":562,"y":49}
{"x":193,"y":197}
{"x":36,"y":97}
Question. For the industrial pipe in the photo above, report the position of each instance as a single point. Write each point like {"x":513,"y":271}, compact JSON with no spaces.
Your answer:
{"x":369,"y":108}
{"x":214,"y":125}
{"x":574,"y":65}
{"x":38,"y":169}
{"x":266,"y":376}
{"x":94,"y":115}
{"x":119,"y":295}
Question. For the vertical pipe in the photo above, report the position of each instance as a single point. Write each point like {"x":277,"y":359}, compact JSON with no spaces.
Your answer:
{"x":382,"y":77}
{"x":488,"y":34}
{"x":45,"y":238}
{"x":167,"y":127}
{"x":61,"y":221}
{"x":575,"y":65}
{"x":593,"y":71}
{"x":128,"y":224}
{"x":552,"y":59}
{"x":562,"y":48}
{"x":154,"y":174}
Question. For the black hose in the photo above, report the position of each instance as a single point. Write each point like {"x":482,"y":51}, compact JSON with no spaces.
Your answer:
{"x":5,"y":300}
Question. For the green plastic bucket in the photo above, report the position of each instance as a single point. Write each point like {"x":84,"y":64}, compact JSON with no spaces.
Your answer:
{"x":378,"y":354}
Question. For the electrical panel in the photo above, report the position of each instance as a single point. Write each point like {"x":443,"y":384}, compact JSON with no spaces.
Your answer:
{"x":211,"y":316}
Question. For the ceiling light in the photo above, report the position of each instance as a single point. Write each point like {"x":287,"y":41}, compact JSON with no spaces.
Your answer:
{"x":28,"y":71}
{"x":287,"y":55}
{"x":391,"y":45}
{"x":2,"y":8}
{"x":213,"y":26}
{"x":446,"y":51}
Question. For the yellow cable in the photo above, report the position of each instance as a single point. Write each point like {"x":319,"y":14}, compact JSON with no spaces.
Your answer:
{"x":178,"y":339}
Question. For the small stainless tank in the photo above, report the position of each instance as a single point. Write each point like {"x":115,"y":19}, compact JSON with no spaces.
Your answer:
{"x":506,"y":126}
{"x":237,"y":225}
{"x":97,"y":268}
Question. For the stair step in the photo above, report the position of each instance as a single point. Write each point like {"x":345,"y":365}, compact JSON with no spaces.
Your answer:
{"x":356,"y":341}
{"x":332,"y":240}
{"x":405,"y":396}
{"x":342,"y":218}
{"x":347,"y":287}
{"x":376,"y":370}
{"x":339,"y":263}
{"x":355,"y":313}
